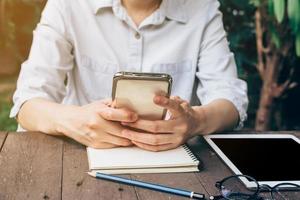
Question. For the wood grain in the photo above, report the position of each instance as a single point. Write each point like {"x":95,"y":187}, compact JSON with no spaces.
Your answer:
{"x":213,"y":169}
{"x":37,"y":166}
{"x":77,"y":184}
{"x":187,"y":181}
{"x":31,"y":166}
{"x":296,"y":133}
{"x":2,"y":138}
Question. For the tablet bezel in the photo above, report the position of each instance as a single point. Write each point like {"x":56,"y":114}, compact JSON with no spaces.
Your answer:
{"x":235,"y":170}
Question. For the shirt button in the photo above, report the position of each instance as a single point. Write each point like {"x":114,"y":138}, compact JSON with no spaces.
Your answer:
{"x":137,"y":35}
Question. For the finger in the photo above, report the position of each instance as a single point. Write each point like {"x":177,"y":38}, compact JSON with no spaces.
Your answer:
{"x":97,"y":136}
{"x":180,"y":101}
{"x":122,"y":115}
{"x":172,"y":105}
{"x":148,"y":138}
{"x":102,"y":145}
{"x":113,"y":128}
{"x":102,"y":103}
{"x":186,"y":106}
{"x":107,"y":102}
{"x":183,"y":103}
{"x":159,"y":126}
{"x":148,"y":147}
{"x":87,"y":139}
{"x":177,"y":99}
{"x":108,"y":138}
{"x":114,"y":104}
{"x":98,"y":124}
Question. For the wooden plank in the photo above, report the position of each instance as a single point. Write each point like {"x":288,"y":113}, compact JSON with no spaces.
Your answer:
{"x":2,"y":138}
{"x":77,"y":184}
{"x":213,"y":169}
{"x":30,"y":167}
{"x":296,"y":133}
{"x":187,"y":181}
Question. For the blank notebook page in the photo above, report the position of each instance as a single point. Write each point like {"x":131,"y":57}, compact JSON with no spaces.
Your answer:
{"x":133,"y":157}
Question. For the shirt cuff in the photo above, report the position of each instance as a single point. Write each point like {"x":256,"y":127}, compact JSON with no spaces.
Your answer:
{"x":239,"y":103}
{"x":19,"y":103}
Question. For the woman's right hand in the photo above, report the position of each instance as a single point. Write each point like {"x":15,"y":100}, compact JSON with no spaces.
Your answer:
{"x":96,"y":125}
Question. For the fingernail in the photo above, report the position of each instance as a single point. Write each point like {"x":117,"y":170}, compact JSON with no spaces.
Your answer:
{"x":163,"y":100}
{"x":157,"y":99}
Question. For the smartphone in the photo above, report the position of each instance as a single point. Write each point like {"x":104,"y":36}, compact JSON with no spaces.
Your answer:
{"x":136,"y":91}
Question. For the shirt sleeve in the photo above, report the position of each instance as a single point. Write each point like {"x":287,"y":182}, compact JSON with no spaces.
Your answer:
{"x":217,"y":71}
{"x":50,"y":59}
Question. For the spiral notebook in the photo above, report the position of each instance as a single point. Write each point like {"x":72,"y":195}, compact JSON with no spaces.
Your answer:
{"x":124,"y":160}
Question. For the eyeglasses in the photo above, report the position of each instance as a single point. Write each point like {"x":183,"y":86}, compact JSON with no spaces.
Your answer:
{"x":231,"y":189}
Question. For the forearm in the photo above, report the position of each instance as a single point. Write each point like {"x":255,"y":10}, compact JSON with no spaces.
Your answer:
{"x":218,"y":115}
{"x":41,"y":115}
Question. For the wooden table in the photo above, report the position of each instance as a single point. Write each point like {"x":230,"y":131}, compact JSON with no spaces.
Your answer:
{"x":37,"y":166}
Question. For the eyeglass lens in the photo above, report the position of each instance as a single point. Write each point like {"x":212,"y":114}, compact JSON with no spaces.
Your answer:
{"x":286,"y":192}
{"x":232,"y":189}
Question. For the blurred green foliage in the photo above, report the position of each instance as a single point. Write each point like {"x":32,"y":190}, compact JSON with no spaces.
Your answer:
{"x":7,"y":86}
{"x":6,"y":124}
{"x":239,"y":22}
{"x":287,"y":15}
{"x":238,"y":17}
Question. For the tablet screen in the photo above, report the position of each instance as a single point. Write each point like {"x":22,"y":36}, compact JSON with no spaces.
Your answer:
{"x":265,"y":159}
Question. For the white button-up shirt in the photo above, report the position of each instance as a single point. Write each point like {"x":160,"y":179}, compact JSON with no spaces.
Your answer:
{"x":80,"y":44}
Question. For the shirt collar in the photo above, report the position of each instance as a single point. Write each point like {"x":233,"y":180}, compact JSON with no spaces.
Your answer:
{"x":175,"y":10}
{"x":172,"y":9}
{"x":99,"y":4}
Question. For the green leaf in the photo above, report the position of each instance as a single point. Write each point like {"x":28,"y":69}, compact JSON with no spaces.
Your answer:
{"x":276,"y":39}
{"x":279,"y":9}
{"x":294,"y":14}
{"x":271,"y":7}
{"x":297,"y":44}
{"x":256,"y":3}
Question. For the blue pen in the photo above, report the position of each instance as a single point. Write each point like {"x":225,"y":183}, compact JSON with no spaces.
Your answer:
{"x":151,"y":186}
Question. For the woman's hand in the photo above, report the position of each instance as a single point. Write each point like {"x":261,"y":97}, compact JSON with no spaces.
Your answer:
{"x":96,"y":125}
{"x":184,"y":123}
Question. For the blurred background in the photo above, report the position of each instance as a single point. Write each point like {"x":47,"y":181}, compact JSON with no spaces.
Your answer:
{"x":263,"y":34}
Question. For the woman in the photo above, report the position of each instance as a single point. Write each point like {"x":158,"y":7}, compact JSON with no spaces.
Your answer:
{"x":78,"y":46}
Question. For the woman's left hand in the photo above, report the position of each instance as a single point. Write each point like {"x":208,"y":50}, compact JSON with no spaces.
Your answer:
{"x":184,"y":123}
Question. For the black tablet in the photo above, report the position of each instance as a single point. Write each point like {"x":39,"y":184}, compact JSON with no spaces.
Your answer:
{"x":269,"y":158}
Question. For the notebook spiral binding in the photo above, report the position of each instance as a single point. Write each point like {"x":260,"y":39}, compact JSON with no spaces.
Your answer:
{"x":190,"y":153}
